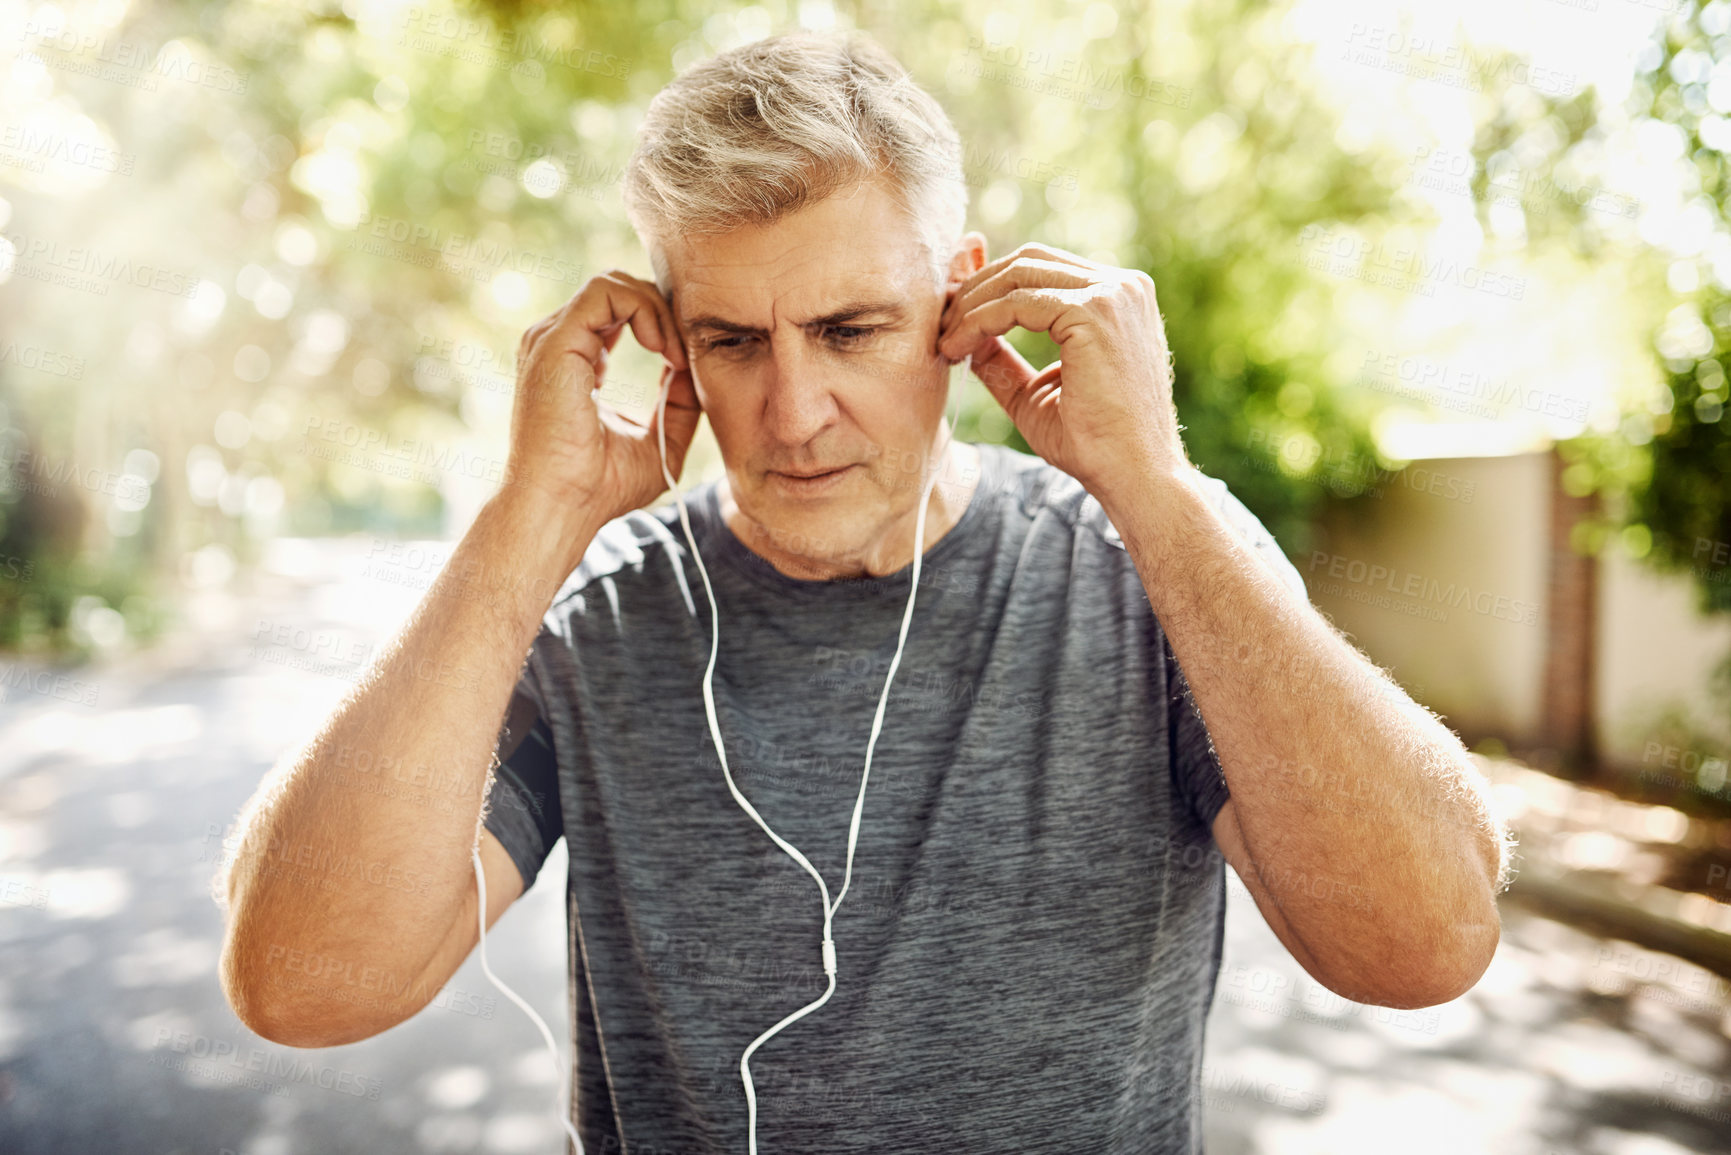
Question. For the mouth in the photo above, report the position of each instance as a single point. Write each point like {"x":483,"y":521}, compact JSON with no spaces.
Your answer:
{"x":810,"y":481}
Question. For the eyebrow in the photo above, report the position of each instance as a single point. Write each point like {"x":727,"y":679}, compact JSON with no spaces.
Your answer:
{"x":893,"y":309}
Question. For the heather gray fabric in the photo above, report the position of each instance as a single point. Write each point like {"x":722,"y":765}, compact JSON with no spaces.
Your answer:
{"x":1029,"y":947}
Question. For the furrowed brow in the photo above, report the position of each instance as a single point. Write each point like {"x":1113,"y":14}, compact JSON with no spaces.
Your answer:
{"x":891,"y":309}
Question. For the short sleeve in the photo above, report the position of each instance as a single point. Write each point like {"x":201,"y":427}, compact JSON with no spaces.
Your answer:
{"x":523,"y":809}
{"x":1195,"y":769}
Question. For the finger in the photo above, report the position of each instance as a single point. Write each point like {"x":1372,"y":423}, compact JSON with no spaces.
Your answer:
{"x":670,"y":325}
{"x":1005,"y":374}
{"x":567,"y":375}
{"x":645,"y":326}
{"x":675,"y":350}
{"x":949,"y":311}
{"x":1031,"y":250}
{"x":1030,"y":272}
{"x":1036,"y":310}
{"x":609,"y":303}
{"x":533,"y":335}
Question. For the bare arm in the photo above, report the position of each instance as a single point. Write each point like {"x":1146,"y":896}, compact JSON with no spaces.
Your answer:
{"x":1357,"y":819}
{"x":350,"y":906}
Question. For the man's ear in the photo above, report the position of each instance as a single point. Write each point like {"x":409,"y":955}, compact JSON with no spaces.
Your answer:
{"x":969,"y":257}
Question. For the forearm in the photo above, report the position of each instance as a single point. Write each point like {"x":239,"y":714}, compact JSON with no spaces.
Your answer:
{"x":1364,"y":817}
{"x":357,"y":849}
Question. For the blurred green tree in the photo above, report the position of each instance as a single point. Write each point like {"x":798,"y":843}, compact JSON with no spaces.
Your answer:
{"x":1663,"y":471}
{"x":380,"y":198}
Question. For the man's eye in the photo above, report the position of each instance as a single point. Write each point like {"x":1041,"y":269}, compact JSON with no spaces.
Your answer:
{"x":840,"y":334}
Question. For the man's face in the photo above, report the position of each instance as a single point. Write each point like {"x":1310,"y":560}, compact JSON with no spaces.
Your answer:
{"x":813,"y":347}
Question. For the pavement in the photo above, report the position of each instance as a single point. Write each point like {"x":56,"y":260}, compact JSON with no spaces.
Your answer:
{"x":118,"y":785}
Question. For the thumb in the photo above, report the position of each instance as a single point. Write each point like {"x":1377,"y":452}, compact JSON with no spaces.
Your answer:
{"x":565,"y":379}
{"x":1004,"y":373}
{"x":679,"y":399}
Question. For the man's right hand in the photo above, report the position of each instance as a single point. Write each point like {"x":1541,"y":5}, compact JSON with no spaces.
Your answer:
{"x":567,"y":445}
{"x":575,"y":464}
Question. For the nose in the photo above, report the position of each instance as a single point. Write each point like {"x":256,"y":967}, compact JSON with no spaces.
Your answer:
{"x":798,"y":401}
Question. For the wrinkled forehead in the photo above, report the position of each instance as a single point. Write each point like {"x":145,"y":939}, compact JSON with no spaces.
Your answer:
{"x":753,"y":278}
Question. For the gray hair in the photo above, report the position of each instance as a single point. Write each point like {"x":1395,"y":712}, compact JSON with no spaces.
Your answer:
{"x":757,"y":132}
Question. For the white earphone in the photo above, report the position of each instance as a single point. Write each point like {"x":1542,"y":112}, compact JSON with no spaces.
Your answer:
{"x":829,"y":907}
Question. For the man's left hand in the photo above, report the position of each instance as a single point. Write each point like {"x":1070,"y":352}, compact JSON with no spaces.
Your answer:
{"x":1103,"y":411}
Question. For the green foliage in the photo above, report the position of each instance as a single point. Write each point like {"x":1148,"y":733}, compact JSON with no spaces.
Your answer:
{"x":372,"y":212}
{"x":1663,"y":471}
{"x":1223,"y":248}
{"x":49,"y":584}
{"x":1685,"y":503}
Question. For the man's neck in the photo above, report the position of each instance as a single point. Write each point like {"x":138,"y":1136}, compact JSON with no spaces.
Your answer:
{"x":894,"y":550}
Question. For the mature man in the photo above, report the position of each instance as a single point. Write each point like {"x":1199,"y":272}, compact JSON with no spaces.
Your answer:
{"x":1030,"y":951}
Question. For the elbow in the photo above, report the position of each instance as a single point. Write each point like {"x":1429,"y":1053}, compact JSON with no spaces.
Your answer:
{"x":1431,"y":964}
{"x":257,"y":1003}
{"x":1479,"y":938}
{"x":1448,"y":963}
{"x":285,"y":1016}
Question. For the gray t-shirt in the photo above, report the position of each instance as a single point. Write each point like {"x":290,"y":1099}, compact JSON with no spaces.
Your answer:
{"x":1029,"y":947}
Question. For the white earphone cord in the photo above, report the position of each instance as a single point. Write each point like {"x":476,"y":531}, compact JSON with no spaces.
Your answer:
{"x":829,"y":908}
{"x":546,"y":1035}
